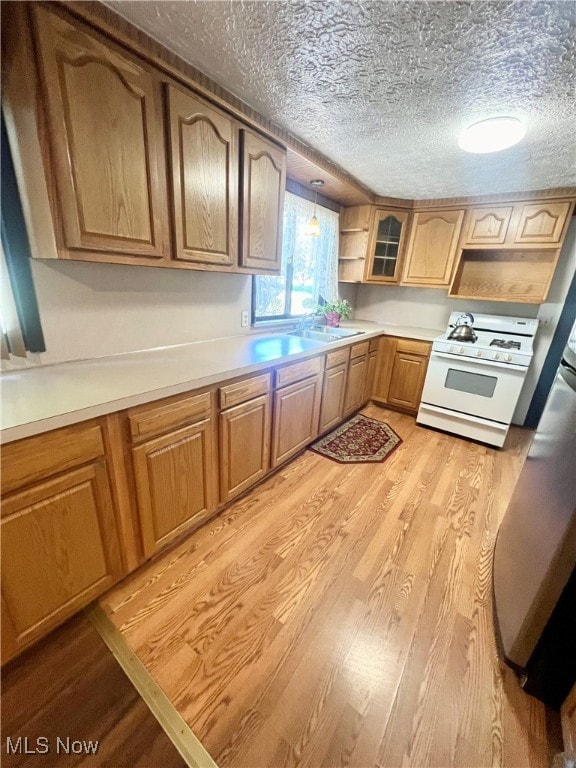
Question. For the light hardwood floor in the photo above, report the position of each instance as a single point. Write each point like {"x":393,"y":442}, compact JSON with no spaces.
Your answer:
{"x":340,"y":615}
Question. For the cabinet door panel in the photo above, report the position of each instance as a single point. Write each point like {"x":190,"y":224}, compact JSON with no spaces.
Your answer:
{"x":59,"y":551}
{"x":333,"y":391}
{"x":204,"y":160}
{"x":542,"y":222}
{"x":432,"y":247}
{"x":244,"y":446}
{"x":384,"y":367}
{"x":487,"y":225}
{"x":105,"y":121}
{"x":370,"y":376}
{"x":296,"y":412}
{"x":407,"y":381}
{"x":263,"y":184}
{"x":174,"y":477}
{"x":357,"y":371}
{"x":386,"y":246}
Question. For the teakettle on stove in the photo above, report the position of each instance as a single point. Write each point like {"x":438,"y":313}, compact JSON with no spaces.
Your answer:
{"x":463,"y":330}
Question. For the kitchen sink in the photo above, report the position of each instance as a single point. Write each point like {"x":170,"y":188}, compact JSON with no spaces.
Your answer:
{"x":314,"y":336}
{"x":342,"y":333}
{"x":324,"y":333}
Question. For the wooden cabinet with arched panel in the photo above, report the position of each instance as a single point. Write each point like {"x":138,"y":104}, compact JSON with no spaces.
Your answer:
{"x":204,"y":178}
{"x":432,"y":247}
{"x":542,"y":223}
{"x":105,"y":132}
{"x":263,"y":169}
{"x":486,"y":226}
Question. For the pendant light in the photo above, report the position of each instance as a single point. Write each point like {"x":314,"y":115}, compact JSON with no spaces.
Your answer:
{"x":313,"y":226}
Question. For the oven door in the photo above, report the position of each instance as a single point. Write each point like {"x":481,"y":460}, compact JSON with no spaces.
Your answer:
{"x":483,"y":388}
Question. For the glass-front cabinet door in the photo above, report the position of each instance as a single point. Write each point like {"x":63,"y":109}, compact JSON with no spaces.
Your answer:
{"x":386,"y":246}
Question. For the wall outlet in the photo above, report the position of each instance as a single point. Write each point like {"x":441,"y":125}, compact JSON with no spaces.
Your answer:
{"x":245,"y":319}
{"x":544,"y":320}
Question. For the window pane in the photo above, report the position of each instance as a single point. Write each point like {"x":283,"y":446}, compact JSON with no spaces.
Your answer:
{"x":270,"y":295}
{"x":309,"y":264}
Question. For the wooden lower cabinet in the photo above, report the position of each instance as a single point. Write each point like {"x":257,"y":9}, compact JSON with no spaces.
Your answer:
{"x":333,"y":391}
{"x":371,"y":374}
{"x":244,"y":446}
{"x":407,"y":381}
{"x":357,"y":373}
{"x":175,"y":482}
{"x":296,"y":413}
{"x":60,"y":546}
{"x":401,"y":370}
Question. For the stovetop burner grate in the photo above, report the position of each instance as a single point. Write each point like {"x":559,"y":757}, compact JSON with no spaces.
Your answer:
{"x":505,"y":344}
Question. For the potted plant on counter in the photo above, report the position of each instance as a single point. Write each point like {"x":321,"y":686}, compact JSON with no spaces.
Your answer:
{"x":334,"y":311}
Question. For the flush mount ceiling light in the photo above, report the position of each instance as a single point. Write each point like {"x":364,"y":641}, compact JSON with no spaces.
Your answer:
{"x":313,"y":226}
{"x":492,"y":135}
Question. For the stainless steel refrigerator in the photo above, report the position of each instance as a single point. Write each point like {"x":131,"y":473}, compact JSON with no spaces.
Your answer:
{"x":535,"y":553}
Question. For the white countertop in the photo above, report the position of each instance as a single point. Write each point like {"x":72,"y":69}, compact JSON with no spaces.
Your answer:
{"x":39,"y":399}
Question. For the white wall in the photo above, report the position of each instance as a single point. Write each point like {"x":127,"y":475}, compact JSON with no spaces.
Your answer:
{"x":431,"y":307}
{"x":91,"y":310}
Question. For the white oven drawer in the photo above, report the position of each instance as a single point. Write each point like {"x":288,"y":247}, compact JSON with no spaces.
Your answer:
{"x":483,"y":388}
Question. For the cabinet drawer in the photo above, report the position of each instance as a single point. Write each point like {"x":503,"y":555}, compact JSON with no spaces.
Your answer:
{"x":156,"y":419}
{"x":297,"y":371}
{"x":241,"y":391}
{"x":359,"y":350}
{"x":338,"y":357}
{"x":35,"y":458}
{"x":413,"y":347}
{"x":374,"y":344}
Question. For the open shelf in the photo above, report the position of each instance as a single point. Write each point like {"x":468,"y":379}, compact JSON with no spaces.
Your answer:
{"x":504,"y":275}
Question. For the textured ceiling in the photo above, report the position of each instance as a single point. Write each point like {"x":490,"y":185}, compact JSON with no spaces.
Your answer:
{"x":384,"y":88}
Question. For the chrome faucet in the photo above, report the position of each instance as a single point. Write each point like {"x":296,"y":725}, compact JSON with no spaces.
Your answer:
{"x":305,"y":321}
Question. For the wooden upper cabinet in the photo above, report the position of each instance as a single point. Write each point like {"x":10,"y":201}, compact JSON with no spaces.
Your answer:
{"x":386,"y":246}
{"x":542,"y":222}
{"x":486,"y":226}
{"x":106,"y":138}
{"x":262,"y":204}
{"x":204,"y":177}
{"x":356,"y":219}
{"x":432,"y":247}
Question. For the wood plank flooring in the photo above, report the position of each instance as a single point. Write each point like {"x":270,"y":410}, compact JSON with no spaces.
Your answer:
{"x":340,"y":615}
{"x":70,"y":687}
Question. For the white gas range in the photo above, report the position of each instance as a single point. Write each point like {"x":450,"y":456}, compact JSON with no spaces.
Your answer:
{"x":472,"y":386}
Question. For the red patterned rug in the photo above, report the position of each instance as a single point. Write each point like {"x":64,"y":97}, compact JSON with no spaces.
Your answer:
{"x":358,"y":440}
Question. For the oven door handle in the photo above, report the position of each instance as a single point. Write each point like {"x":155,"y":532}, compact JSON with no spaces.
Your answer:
{"x":480,"y":361}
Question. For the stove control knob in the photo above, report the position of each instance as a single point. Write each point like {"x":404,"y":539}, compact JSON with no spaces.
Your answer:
{"x":497,"y":356}
{"x":509,"y":358}
{"x":461,"y":350}
{"x":451,"y":348}
{"x":479,"y":353}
